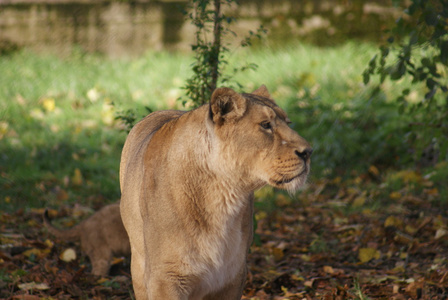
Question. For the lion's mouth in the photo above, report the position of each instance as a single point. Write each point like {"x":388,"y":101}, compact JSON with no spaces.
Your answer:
{"x":288,"y":180}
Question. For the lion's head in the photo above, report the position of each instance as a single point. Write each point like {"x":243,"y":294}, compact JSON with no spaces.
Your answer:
{"x":253,"y":135}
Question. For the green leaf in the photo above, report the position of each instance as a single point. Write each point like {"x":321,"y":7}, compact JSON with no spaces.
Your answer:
{"x":398,"y":70}
{"x":426,"y":62}
{"x":444,"y":52}
{"x":366,"y":77}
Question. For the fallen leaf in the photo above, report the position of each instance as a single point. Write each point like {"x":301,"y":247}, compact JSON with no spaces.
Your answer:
{"x":431,"y":192}
{"x":440,"y":233}
{"x":305,"y":257}
{"x":367,"y":254}
{"x":374,"y":170}
{"x":26,"y":297}
{"x":403,"y":238}
{"x":77,"y":177}
{"x":68,"y":255}
{"x":359,"y":201}
{"x":117,"y":260}
{"x":395,"y":195}
{"x":309,"y":283}
{"x":393,"y":221}
{"x":410,"y":229}
{"x":3,"y":129}
{"x":102,"y":280}
{"x":328,"y":269}
{"x":93,"y":94}
{"x":49,"y":104}
{"x":39,"y":253}
{"x":33,"y":286}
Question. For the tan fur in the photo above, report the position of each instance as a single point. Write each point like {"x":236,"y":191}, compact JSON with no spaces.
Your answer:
{"x":102,"y":235}
{"x":187,"y":181}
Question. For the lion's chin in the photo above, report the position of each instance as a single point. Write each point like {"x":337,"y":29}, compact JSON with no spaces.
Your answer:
{"x":291,"y":184}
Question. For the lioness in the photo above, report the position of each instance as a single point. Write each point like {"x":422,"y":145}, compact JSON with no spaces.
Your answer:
{"x":187,"y":181}
{"x":102,"y":235}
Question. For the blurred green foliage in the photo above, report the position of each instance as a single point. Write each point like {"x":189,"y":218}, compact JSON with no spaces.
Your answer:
{"x":417,"y":54}
{"x":60,"y":141}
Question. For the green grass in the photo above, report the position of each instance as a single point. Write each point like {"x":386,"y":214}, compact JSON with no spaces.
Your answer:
{"x":60,"y":143}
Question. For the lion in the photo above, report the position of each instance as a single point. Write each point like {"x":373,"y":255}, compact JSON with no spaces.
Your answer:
{"x":187,"y":181}
{"x":102,"y":235}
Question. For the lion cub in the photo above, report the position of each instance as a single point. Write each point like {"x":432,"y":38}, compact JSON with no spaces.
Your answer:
{"x":102,"y":235}
{"x":187,"y":181}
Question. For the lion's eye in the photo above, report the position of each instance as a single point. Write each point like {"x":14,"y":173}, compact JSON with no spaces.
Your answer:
{"x":266,"y":125}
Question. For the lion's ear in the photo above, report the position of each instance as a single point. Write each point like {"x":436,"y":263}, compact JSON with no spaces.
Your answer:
{"x":227,"y":105}
{"x":262,"y":91}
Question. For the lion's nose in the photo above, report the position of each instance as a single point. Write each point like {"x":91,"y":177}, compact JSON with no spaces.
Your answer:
{"x":305,"y":154}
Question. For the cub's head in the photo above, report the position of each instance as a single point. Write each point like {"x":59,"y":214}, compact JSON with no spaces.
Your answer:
{"x":253,"y":139}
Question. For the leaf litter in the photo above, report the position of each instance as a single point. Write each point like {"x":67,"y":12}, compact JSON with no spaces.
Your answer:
{"x":338,"y":239}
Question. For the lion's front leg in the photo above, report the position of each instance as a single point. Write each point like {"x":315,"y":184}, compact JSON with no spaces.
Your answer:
{"x":233,"y":290}
{"x":138,"y":275}
{"x":161,"y":287}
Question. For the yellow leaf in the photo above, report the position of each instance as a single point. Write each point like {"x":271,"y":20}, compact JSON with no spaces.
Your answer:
{"x":410,"y":229}
{"x":33,"y":251}
{"x":432,"y":192}
{"x":393,"y":221}
{"x":68,"y":255}
{"x":305,"y":257}
{"x":3,"y":129}
{"x":49,"y":104}
{"x":77,"y":177}
{"x":328,"y":269}
{"x":367,"y":254}
{"x":359,"y":201}
{"x":102,"y":280}
{"x":398,"y":269}
{"x":367,"y":212}
{"x":117,"y":260}
{"x":52,"y":213}
{"x":395,"y":195}
{"x":39,"y":253}
{"x":407,"y":176}
{"x":38,"y":211}
{"x":337,"y":180}
{"x":374,"y":170}
{"x":297,"y":278}
{"x":261,"y":215}
{"x":7,"y":199}
{"x":278,"y":253}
